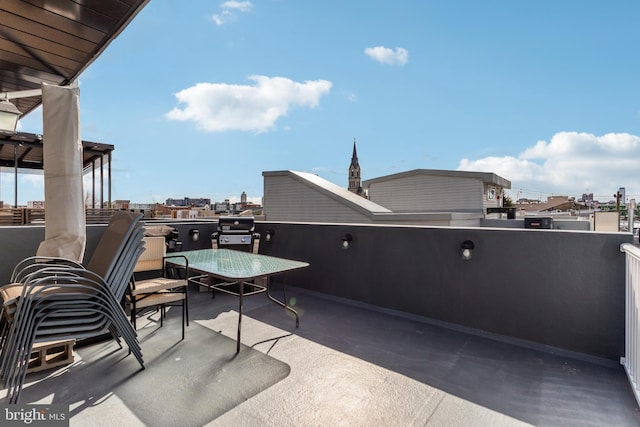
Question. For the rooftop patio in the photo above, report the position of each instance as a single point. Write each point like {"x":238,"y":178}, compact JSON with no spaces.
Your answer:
{"x":396,"y":330}
{"x":347,"y":364}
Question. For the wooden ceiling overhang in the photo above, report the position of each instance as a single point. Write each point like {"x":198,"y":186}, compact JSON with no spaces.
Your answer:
{"x":54,"y":41}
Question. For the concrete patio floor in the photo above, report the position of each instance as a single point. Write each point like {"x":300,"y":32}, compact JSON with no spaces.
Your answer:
{"x":347,"y":365}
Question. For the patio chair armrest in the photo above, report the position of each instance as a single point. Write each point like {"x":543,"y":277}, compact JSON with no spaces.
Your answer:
{"x":185,"y":266}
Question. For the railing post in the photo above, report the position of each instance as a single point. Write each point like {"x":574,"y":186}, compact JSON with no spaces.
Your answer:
{"x":631,"y":359}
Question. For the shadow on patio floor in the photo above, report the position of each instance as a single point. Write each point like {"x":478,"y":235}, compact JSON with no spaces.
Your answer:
{"x":346,"y":365}
{"x":188,"y":382}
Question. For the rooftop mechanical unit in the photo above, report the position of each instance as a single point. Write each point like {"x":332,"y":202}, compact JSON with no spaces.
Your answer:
{"x":538,"y":222}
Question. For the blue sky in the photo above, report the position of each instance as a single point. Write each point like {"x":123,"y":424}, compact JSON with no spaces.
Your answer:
{"x":200,"y":99}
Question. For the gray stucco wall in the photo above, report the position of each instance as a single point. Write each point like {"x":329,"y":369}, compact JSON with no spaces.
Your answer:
{"x":563,"y":289}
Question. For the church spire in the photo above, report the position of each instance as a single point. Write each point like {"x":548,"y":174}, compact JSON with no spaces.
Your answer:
{"x":354,"y":157}
{"x":354,"y":172}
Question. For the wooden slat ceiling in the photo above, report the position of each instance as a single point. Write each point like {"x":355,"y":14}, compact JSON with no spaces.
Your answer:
{"x":53,"y":41}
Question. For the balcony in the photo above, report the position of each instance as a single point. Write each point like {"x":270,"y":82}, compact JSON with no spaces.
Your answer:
{"x":398,"y":329}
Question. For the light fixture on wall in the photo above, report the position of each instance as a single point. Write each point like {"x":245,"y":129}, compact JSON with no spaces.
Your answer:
{"x":195,"y":234}
{"x":269,"y":235}
{"x":467,"y":249}
{"x":346,"y":241}
{"x":9,"y":115}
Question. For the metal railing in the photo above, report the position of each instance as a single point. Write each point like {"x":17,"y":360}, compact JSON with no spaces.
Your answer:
{"x":24,"y":216}
{"x":631,"y":359}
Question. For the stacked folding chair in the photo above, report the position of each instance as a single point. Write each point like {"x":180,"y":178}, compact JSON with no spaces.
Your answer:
{"x":56,"y":299}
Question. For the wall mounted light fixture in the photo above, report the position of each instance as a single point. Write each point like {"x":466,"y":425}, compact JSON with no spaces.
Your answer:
{"x":269,"y":235}
{"x":467,"y":249}
{"x":195,"y":234}
{"x":346,"y":241}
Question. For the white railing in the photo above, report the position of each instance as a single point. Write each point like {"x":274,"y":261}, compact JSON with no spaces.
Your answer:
{"x":631,"y":359}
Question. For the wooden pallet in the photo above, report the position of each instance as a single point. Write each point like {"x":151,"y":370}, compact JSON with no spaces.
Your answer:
{"x":47,"y":355}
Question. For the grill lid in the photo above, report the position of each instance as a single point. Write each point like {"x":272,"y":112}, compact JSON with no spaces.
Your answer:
{"x":236,"y":224}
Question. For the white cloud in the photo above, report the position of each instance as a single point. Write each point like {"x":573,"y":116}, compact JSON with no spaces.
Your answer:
{"x":222,"y":18}
{"x":385,"y":55}
{"x":219,"y":107}
{"x":570,"y":164}
{"x":230,"y":10}
{"x":241,"y":6}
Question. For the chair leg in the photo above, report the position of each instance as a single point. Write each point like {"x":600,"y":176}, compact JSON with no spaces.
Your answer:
{"x":133,"y":312}
{"x":183,"y":314}
{"x":186,"y":305}
{"x":114,"y":334}
{"x":13,"y":392}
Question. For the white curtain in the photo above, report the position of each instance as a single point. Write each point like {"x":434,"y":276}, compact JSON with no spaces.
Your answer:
{"x":65,"y":227}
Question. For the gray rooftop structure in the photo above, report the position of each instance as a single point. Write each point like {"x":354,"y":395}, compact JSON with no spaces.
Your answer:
{"x":295,"y":196}
{"x":427,"y":191}
{"x":302,"y":196}
{"x":486,"y":177}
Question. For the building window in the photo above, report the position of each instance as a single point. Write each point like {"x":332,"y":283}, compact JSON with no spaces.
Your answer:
{"x":491,"y":194}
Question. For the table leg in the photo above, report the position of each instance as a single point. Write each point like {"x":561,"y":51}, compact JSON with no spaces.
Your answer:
{"x":239,"y":315}
{"x":280,"y":303}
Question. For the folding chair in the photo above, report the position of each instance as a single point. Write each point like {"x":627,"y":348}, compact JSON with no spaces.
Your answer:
{"x":160,"y":291}
{"x":52,"y":299}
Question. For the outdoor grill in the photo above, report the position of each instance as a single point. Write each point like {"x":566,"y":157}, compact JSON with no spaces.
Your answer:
{"x":236,"y":232}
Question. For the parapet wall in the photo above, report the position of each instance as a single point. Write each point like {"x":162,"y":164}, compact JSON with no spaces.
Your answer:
{"x":558,"y":288}
{"x":563,"y":289}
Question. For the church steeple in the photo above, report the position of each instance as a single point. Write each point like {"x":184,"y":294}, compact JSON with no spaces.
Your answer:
{"x":354,"y":172}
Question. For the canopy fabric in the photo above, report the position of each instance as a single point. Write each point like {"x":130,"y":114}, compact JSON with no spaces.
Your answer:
{"x":65,"y":226}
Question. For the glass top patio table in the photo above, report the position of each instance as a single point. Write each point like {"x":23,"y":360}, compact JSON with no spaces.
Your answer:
{"x":238,"y":267}
{"x":229,"y":264}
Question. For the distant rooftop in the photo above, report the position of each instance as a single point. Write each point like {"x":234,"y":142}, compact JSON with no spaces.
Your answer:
{"x":486,"y":177}
{"x":350,"y":204}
